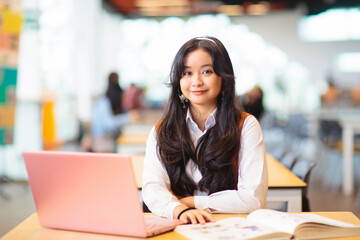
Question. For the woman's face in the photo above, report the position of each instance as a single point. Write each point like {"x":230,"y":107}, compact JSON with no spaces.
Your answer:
{"x":199,"y":83}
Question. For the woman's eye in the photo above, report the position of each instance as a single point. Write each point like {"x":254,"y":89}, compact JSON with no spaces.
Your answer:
{"x":207,"y":72}
{"x":187,"y":73}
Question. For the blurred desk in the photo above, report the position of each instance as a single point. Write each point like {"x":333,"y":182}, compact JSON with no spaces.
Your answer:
{"x":349,"y":119}
{"x":138,"y":165}
{"x":284,"y":186}
{"x":30,"y":229}
{"x":133,"y":140}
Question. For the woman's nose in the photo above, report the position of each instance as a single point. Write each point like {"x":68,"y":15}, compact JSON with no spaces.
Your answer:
{"x":197,"y":80}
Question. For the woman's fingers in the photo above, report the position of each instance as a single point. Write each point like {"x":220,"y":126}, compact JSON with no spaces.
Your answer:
{"x":196,"y":216}
{"x":208,"y":217}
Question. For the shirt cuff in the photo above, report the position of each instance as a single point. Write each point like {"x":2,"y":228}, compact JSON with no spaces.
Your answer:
{"x":202,"y":202}
{"x":169,"y":212}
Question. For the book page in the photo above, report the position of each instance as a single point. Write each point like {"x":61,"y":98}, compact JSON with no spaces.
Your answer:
{"x":290,"y":222}
{"x":230,"y":228}
{"x":311,"y":217}
{"x":280,"y":221}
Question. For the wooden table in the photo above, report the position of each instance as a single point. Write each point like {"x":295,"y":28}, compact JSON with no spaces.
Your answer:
{"x":132,"y":143}
{"x":133,"y":139}
{"x":30,"y":229}
{"x":284,"y":186}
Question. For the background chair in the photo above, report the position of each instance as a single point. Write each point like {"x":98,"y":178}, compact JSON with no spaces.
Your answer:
{"x":289,"y":159}
{"x":279,"y":152}
{"x":302,"y":168}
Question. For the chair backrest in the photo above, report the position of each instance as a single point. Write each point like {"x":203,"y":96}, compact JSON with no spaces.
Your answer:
{"x":279,"y":152}
{"x":297,"y":126}
{"x":289,"y":159}
{"x":330,"y":131}
{"x":302,"y":168}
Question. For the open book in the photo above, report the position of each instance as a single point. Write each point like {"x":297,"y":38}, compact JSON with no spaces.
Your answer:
{"x":271,"y":224}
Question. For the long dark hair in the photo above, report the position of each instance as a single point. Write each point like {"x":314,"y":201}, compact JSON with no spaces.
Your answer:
{"x":215,"y":149}
{"x":114,"y":93}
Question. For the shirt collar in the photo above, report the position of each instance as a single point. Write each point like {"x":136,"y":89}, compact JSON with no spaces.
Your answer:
{"x":209,"y":123}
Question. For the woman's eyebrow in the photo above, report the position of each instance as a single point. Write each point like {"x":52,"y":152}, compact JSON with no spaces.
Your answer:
{"x":206,"y":65}
{"x":202,"y":66}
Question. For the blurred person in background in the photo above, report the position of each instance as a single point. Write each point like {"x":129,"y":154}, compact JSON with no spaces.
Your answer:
{"x":132,"y":97}
{"x":330,"y":130}
{"x":252,"y":102}
{"x":355,"y":96}
{"x":108,"y":117}
{"x":331,"y":97}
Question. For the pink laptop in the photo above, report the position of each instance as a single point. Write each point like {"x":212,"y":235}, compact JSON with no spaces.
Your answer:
{"x":89,"y":192}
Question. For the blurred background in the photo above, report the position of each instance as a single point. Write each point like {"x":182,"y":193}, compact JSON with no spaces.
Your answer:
{"x":56,"y":55}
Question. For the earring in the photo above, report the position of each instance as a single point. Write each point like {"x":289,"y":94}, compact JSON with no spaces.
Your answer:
{"x":183,"y":100}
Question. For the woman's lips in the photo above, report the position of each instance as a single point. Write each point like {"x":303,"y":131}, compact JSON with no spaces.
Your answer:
{"x":198,"y":92}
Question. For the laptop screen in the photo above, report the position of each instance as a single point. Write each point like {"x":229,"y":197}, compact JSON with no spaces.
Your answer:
{"x":91,"y":192}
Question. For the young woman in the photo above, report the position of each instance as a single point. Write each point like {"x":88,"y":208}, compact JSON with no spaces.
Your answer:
{"x":205,"y":155}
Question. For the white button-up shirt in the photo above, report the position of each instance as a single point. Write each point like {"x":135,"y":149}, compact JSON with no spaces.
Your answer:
{"x":252,"y":176}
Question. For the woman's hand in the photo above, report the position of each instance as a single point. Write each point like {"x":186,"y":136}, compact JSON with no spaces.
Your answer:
{"x":193,"y":216}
